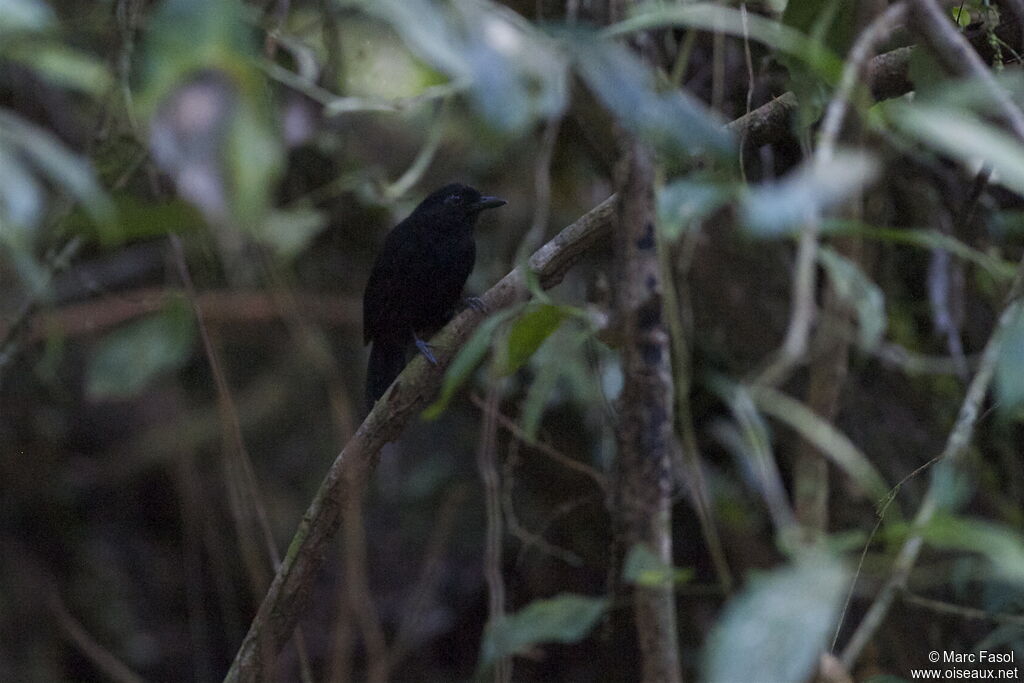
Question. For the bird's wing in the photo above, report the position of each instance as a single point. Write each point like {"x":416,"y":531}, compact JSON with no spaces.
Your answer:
{"x":386,"y":277}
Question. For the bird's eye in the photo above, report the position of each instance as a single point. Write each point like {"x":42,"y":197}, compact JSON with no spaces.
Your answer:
{"x":453,"y":199}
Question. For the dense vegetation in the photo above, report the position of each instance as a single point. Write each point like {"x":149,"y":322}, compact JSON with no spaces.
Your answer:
{"x":753,"y":415}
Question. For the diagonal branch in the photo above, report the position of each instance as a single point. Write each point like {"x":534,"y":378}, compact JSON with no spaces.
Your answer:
{"x":288,"y":595}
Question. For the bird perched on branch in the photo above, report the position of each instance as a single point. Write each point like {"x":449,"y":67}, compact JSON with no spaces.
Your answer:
{"x":417,"y":280}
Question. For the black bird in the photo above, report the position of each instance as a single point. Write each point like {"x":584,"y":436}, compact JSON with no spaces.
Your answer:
{"x":417,"y":280}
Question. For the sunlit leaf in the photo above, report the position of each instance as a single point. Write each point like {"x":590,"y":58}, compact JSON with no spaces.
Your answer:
{"x":857,"y":289}
{"x":670,"y":120}
{"x":965,"y":137}
{"x":527,"y":333}
{"x":565,"y":618}
{"x":643,"y":568}
{"x":777,"y":627}
{"x":1010,"y":368}
{"x":683,"y":202}
{"x":781,"y":208}
{"x":469,"y":356}
{"x":129,"y":358}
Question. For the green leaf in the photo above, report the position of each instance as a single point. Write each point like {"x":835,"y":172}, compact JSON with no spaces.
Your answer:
{"x":533,"y":327}
{"x":643,"y":568}
{"x":513,"y":73}
{"x":24,"y":15}
{"x":290,"y":232}
{"x":210,"y":119}
{"x":254,"y":159}
{"x":781,"y":208}
{"x":825,"y":437}
{"x":543,"y":384}
{"x":1001,"y":545}
{"x":129,"y":358}
{"x":465,"y":362}
{"x":714,"y":18}
{"x":683,"y":202}
{"x":965,"y":137}
{"x":565,"y":618}
{"x":777,"y":627}
{"x":62,"y":65}
{"x":857,"y":289}
{"x":670,"y":120}
{"x":21,"y":196}
{"x":186,"y":37}
{"x":1010,"y":368}
{"x":70,"y":173}
{"x":926,"y":239}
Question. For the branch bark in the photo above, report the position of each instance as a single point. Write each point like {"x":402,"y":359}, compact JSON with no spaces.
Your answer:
{"x":289,"y":592}
{"x":644,"y":431}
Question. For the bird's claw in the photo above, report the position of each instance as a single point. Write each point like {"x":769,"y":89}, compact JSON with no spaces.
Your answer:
{"x":426,"y":349}
{"x":477,"y":304}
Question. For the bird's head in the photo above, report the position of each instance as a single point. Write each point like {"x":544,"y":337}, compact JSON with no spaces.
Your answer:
{"x":458,"y":200}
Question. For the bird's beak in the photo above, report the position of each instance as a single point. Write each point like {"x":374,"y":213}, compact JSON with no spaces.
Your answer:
{"x":488,"y":203}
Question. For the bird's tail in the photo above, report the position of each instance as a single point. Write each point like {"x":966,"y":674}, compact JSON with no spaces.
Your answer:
{"x":387,"y":360}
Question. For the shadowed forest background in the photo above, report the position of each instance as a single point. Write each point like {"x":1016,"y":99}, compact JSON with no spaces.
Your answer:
{"x":753,"y":415}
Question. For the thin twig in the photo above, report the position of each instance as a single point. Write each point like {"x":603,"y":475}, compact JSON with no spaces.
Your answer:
{"x":487,"y":464}
{"x":89,"y":647}
{"x":953,"y":453}
{"x":289,"y":593}
{"x":795,"y":344}
{"x":544,"y":448}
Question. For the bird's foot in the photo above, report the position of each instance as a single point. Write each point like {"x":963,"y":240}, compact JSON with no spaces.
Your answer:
{"x":426,"y":349}
{"x":476,"y":303}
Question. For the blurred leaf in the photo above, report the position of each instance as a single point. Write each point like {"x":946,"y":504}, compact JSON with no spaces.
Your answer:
{"x":527,"y":333}
{"x":544,"y":382}
{"x":209,"y":115}
{"x":189,"y":36}
{"x":24,"y":15}
{"x":21,"y":196}
{"x":670,"y":120}
{"x":714,"y":18}
{"x":965,"y":137}
{"x":1010,"y":368}
{"x":643,"y":568}
{"x":830,"y":21}
{"x":290,"y":232}
{"x":49,"y":157}
{"x":1001,"y":545}
{"x":565,"y":618}
{"x":683,"y":202}
{"x":254,"y":159}
{"x":926,"y":239}
{"x":513,"y":73}
{"x":465,"y":362}
{"x":825,"y":437}
{"x":127,"y":359}
{"x":776,"y":628}
{"x":857,"y":289}
{"x":781,"y":208}
{"x":62,"y":65}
